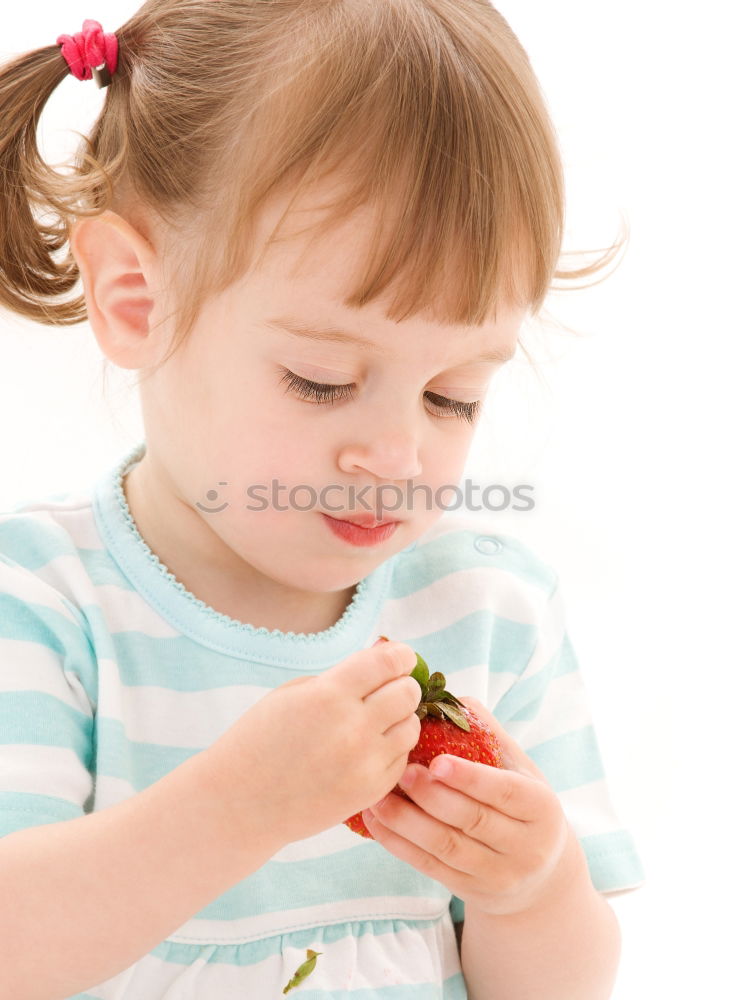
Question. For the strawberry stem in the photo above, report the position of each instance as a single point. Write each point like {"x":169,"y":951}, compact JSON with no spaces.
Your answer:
{"x":435,"y":700}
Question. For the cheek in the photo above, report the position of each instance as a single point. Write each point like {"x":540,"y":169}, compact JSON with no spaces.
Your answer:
{"x":443,"y":460}
{"x":264,"y":453}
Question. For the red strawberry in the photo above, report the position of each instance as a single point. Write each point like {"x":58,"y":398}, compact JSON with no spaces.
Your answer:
{"x":447,"y":726}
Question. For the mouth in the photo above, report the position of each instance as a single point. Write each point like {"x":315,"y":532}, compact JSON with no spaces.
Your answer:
{"x":373,"y":532}
{"x":365,"y":520}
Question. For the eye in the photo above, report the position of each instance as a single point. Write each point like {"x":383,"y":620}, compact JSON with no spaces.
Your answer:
{"x":315,"y":390}
{"x":468,"y":411}
{"x":332,"y":393}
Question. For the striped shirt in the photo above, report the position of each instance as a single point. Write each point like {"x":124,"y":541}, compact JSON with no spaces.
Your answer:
{"x":112,"y":674}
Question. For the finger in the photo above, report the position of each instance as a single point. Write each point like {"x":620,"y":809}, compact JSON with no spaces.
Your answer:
{"x":517,"y":795}
{"x":393,"y":704}
{"x":514,"y":756}
{"x":476,"y":819}
{"x":366,"y":671}
{"x":435,"y":848}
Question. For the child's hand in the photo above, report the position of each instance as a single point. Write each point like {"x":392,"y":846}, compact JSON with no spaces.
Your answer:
{"x":495,"y":837}
{"x":323,"y":747}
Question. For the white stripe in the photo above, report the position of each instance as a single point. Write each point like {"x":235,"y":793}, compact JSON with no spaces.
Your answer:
{"x":70,"y":501}
{"x":246,"y":929}
{"x":38,"y":668}
{"x":110,"y":790}
{"x":127,"y":609}
{"x":330,"y":841}
{"x":461,"y":593}
{"x":78,"y":521}
{"x":44,"y":770}
{"x":68,"y":575}
{"x":158,"y":715}
{"x":371,"y":962}
{"x":562,"y":710}
{"x":551,"y":631}
{"x":26,"y":586}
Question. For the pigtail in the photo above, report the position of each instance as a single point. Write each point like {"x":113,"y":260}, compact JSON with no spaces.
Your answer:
{"x":30,"y":276}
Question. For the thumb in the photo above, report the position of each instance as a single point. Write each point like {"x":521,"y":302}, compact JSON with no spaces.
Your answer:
{"x":514,"y":756}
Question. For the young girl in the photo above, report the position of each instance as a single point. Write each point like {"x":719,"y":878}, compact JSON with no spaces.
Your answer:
{"x":314,"y":227}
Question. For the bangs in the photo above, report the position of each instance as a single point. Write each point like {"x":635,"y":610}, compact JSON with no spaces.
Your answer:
{"x":416,"y":118}
{"x":427,"y":114}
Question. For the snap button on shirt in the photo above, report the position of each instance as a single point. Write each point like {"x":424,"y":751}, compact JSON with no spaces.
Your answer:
{"x":487,"y":545}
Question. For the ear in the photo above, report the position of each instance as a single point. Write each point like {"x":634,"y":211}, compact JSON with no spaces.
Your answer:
{"x":119,"y":270}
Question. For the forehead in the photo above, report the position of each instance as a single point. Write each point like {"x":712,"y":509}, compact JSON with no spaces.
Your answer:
{"x":309,"y":275}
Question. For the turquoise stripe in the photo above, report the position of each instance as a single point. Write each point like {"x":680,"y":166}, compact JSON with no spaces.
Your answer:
{"x":507,"y":645}
{"x":175,"y":664}
{"x":253,"y":952}
{"x":103,"y":571}
{"x":456,"y":910}
{"x":139,"y":763}
{"x":524,"y":699}
{"x":39,"y":719}
{"x":38,"y":623}
{"x":34,"y":540}
{"x":289,"y":886}
{"x":570,"y":760}
{"x":20,"y":810}
{"x":613,"y":860}
{"x":566,"y":661}
{"x":453,"y":988}
{"x":455,"y":550}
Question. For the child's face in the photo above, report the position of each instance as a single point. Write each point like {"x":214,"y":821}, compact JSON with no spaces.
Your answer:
{"x":220,"y":421}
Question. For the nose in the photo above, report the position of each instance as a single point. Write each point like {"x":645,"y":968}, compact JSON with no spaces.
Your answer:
{"x":387,"y":448}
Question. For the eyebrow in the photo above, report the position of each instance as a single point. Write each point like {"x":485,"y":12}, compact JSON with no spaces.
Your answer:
{"x":331,"y":335}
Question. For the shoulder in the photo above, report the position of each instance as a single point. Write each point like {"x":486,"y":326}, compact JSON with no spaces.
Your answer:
{"x":42,"y":583}
{"x":40,"y":545}
{"x":464,"y":555}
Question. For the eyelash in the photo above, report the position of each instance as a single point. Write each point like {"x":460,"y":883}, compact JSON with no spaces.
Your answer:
{"x":333,"y":393}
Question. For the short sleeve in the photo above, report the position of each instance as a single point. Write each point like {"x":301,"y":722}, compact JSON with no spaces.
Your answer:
{"x":546,"y":710}
{"x":47,"y":690}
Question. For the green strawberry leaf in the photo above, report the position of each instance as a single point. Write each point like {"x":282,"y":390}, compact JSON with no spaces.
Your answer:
{"x":455,"y":716}
{"x":421,"y":673}
{"x":436,"y":691}
{"x":303,"y":971}
{"x":451,"y":700}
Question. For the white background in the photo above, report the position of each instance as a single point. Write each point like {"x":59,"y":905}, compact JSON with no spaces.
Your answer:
{"x":623,"y":437}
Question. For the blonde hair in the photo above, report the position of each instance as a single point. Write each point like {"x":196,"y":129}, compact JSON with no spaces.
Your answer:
{"x":217,"y":105}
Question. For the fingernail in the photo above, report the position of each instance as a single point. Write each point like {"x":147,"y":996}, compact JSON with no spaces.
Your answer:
{"x":441,"y":768}
{"x":381,"y":638}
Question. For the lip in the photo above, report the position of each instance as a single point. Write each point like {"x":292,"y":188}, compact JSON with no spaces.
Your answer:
{"x":365,"y":520}
{"x":355,"y":534}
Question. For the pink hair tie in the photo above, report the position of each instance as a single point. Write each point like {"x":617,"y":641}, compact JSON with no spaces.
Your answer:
{"x":90,"y":53}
